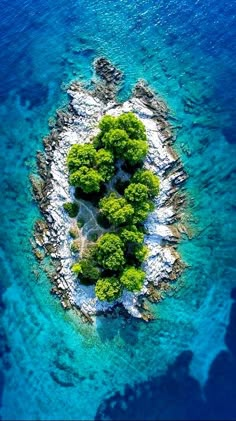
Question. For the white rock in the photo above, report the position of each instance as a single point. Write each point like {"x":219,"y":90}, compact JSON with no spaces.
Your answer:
{"x":161,"y":259}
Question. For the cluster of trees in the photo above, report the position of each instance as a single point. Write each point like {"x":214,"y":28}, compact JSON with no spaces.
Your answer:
{"x":113,"y":263}
{"x":89,"y":167}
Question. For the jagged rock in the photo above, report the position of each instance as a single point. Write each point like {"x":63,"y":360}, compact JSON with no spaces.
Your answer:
{"x":41,"y":226}
{"x":38,"y":254}
{"x":42,"y":165}
{"x":38,"y":187}
{"x":142,"y":91}
{"x":107,"y":71}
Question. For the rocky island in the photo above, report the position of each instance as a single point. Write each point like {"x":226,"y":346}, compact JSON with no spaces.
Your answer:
{"x":108,"y":187}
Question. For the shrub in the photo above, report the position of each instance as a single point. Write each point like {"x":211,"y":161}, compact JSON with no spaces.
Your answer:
{"x":135,"y":152}
{"x":149,"y":179}
{"x":87,"y":270}
{"x":116,"y":141}
{"x":71,"y":208}
{"x":108,"y":289}
{"x":132,"y":125}
{"x":92,"y":236}
{"x":73,"y":231}
{"x":81,"y":155}
{"x":109,"y":252}
{"x":136,"y":193}
{"x":80,"y":222}
{"x":105,"y":164}
{"x":75,"y":246}
{"x":76,"y":268}
{"x":116,"y":209}
{"x":87,"y":179}
{"x":132,"y":278}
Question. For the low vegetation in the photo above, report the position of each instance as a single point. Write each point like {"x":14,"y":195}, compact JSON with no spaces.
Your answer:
{"x":71,"y":209}
{"x":109,"y":172}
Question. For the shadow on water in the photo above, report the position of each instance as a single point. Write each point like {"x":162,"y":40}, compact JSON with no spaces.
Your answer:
{"x":4,"y":348}
{"x":34,"y":94}
{"x":176,"y":395}
{"x":109,"y":327}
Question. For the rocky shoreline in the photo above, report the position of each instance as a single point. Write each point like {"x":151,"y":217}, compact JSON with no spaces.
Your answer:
{"x":78,"y":124}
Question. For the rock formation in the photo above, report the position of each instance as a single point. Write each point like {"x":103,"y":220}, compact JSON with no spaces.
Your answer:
{"x":78,"y":125}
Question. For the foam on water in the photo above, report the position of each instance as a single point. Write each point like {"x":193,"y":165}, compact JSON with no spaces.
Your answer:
{"x":56,"y":367}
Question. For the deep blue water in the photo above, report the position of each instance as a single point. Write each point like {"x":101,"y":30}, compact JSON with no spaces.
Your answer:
{"x":53,"y":367}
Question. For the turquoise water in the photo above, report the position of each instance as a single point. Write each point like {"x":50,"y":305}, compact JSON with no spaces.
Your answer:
{"x":54,"y":367}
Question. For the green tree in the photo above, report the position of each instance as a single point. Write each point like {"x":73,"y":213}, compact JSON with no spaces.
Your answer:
{"x":116,"y":141}
{"x":81,"y":155}
{"x":132,"y":278}
{"x":105,"y":164}
{"x":109,"y":251}
{"x":107,"y":123}
{"x":76,"y":268}
{"x":86,"y":270}
{"x":131,"y":235}
{"x":136,"y":193}
{"x":87,"y":179}
{"x":135,"y":151}
{"x":141,"y":252}
{"x":141,"y":211}
{"x":108,"y":289}
{"x":116,"y":209}
{"x":149,"y":179}
{"x":132,"y":125}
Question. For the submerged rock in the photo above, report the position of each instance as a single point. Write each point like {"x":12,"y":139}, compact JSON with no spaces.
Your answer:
{"x":79,"y":125}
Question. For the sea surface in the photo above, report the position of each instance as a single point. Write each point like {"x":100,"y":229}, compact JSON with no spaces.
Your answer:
{"x":183,"y":364}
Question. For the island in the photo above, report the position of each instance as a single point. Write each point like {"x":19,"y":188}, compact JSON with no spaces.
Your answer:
{"x":108,"y":186}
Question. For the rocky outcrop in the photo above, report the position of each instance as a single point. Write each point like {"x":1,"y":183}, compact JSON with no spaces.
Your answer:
{"x":78,"y":125}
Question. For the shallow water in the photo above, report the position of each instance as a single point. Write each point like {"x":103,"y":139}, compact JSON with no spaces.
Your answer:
{"x":54,"y":367}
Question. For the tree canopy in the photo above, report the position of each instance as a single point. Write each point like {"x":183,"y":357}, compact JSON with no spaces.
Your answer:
{"x":132,"y":126}
{"x":105,"y":173}
{"x":81,"y":155}
{"x":107,"y":123}
{"x":131,"y":234}
{"x":149,"y":179}
{"x":141,"y":211}
{"x":105,"y":164}
{"x":116,"y":209}
{"x":135,"y":151}
{"x":87,"y":179}
{"x":116,"y":140}
{"x":108,"y":289}
{"x":140,"y":252}
{"x":86,"y":270}
{"x":136,"y":193}
{"x":132,"y":278}
{"x":109,"y":252}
